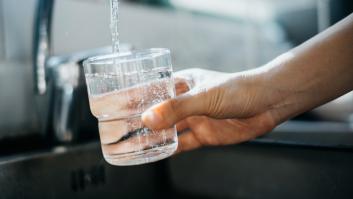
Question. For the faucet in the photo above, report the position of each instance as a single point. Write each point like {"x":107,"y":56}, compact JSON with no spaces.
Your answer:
{"x":41,"y":44}
{"x":59,"y":86}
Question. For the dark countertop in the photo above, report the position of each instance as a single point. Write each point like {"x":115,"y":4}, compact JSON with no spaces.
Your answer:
{"x":320,"y":134}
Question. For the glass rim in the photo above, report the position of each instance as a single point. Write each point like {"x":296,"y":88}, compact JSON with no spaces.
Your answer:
{"x":119,"y":57}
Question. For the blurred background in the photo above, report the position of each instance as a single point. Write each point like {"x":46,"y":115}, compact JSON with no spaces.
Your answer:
{"x":49,"y":144}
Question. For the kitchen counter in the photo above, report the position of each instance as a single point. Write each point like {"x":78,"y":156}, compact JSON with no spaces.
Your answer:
{"x":317,"y":134}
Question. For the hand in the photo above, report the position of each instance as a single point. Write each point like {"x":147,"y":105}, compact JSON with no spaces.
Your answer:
{"x":231,"y":108}
{"x":219,"y":109}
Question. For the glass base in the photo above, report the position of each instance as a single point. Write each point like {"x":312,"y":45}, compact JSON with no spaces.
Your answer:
{"x":142,"y":157}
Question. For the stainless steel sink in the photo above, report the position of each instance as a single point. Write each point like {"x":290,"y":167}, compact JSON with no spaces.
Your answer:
{"x":270,"y":167}
{"x":77,"y":172}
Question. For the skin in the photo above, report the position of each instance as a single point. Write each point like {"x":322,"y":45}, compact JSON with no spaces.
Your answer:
{"x":215,"y":108}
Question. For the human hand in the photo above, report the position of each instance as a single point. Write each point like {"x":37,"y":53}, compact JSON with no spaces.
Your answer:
{"x":231,"y":108}
{"x":219,"y":109}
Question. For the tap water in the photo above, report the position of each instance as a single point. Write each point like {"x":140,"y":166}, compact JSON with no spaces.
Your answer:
{"x":114,"y":24}
{"x":124,"y":138}
{"x":114,"y":30}
{"x":127,"y":94}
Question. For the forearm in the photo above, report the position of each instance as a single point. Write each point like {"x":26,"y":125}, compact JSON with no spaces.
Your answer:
{"x":313,"y":73}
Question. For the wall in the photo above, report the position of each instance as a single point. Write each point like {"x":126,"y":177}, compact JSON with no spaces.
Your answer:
{"x":196,"y":40}
{"x":2,"y":44}
{"x":17,"y":113}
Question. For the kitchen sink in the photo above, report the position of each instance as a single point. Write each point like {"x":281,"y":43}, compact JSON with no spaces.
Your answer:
{"x":296,"y":160}
{"x":77,"y":172}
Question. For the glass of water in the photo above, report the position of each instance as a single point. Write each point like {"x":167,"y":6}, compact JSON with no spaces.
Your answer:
{"x":121,"y":87}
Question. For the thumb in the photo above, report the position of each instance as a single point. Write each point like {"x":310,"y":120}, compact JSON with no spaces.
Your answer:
{"x":168,"y":113}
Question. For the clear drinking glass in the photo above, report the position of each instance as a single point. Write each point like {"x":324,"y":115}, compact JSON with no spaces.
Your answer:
{"x":121,"y":87}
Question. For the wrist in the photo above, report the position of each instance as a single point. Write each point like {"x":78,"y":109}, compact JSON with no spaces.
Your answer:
{"x":290,"y":89}
{"x":277,"y":92}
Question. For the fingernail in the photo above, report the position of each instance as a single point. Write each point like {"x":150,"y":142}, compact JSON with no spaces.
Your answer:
{"x":151,"y":118}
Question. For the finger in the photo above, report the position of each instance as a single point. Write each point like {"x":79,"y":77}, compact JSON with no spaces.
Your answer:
{"x":182,"y":125}
{"x":181,"y":85}
{"x":167,"y":113}
{"x":139,"y":142}
{"x":113,"y":130}
{"x":187,"y":141}
{"x":129,"y":101}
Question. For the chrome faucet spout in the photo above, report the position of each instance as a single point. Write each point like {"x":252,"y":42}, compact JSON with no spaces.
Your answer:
{"x":62,"y":101}
{"x":42,"y":43}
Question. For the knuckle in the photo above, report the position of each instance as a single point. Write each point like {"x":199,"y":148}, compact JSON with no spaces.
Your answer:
{"x":214,"y":102}
{"x":175,"y":107}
